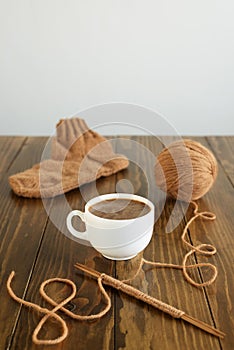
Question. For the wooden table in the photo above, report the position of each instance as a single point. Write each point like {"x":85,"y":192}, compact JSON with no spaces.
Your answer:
{"x":33,"y":247}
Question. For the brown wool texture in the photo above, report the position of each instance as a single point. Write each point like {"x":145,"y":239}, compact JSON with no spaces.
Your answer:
{"x":185,"y":170}
{"x":79,"y":155}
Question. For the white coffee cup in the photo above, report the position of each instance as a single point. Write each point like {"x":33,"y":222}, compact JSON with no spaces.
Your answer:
{"x":115,"y":239}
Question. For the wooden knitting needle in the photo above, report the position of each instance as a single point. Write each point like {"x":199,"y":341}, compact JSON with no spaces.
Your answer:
{"x":115,"y":283}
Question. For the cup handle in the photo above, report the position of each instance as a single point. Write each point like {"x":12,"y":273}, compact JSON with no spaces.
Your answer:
{"x":73,"y":231}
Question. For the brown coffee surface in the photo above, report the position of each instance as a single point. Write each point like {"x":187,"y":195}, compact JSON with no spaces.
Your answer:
{"x":119,"y":209}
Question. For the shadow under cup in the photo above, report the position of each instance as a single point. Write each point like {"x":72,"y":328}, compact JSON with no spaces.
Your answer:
{"x":120,"y":239}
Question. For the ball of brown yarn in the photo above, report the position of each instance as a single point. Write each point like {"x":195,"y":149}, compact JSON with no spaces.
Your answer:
{"x":185,"y":170}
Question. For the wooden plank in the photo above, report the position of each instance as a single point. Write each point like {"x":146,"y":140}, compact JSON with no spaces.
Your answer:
{"x":223,"y":148}
{"x":220,"y":200}
{"x":57,"y":257}
{"x":9,"y":148}
{"x":22,"y":224}
{"x":142,"y":327}
{"x":137,"y":326}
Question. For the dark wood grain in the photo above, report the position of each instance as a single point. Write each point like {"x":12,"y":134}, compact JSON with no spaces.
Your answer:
{"x":33,"y":245}
{"x":57,"y":257}
{"x":219,"y":200}
{"x":151,"y":327}
{"x":9,"y":149}
{"x":22,"y":226}
{"x":223,"y":148}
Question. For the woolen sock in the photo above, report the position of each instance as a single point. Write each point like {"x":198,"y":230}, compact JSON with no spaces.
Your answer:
{"x":78,"y":156}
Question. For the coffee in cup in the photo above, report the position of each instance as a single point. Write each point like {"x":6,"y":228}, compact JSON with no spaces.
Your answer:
{"x":118,"y":225}
{"x":119,"y":209}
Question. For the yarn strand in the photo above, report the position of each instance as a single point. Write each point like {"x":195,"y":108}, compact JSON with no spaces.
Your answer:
{"x":45,"y":311}
{"x":58,"y":306}
{"x":203,"y":249}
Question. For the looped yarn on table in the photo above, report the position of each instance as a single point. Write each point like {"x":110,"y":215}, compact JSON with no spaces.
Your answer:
{"x":204,"y":167}
{"x":186,"y":170}
{"x":206,"y":249}
{"x":52,"y":313}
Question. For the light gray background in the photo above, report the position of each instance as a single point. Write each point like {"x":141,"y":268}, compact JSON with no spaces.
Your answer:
{"x":58,"y":57}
